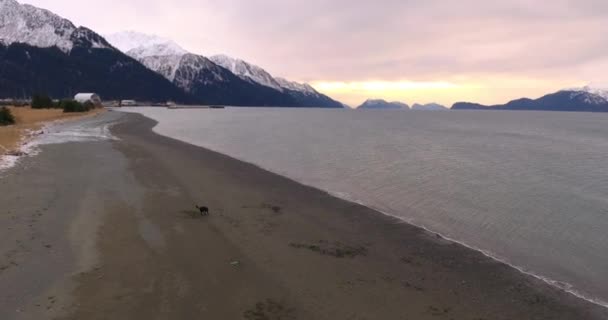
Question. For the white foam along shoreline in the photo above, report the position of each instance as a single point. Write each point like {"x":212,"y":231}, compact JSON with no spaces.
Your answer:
{"x":564,"y":286}
{"x":26,"y":146}
{"x":56,"y":132}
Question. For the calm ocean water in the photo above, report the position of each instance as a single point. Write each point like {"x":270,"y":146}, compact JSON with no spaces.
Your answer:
{"x":530,"y":188}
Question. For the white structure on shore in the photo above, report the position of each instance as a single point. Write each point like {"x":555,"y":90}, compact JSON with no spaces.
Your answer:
{"x":128,"y":103}
{"x":88,"y":97}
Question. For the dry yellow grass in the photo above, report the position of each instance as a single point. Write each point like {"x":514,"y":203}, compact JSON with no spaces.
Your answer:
{"x":28,"y":119}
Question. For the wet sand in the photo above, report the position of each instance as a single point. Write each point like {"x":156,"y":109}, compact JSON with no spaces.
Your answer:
{"x":127,"y":243}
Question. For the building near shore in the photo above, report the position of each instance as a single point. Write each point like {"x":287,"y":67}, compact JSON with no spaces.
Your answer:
{"x":88,"y":97}
{"x":128,"y":103}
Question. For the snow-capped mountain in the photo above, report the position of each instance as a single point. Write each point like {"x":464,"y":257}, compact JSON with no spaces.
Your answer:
{"x":41,"y":28}
{"x":41,"y":52}
{"x":247,"y":71}
{"x":208,"y":82}
{"x":242,"y":83}
{"x":167,"y":58}
{"x":379,"y":104}
{"x":429,"y":107}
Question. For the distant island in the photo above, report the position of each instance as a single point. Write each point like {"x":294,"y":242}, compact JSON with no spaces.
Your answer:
{"x":376,"y":104}
{"x":429,"y":107}
{"x":380,"y":104}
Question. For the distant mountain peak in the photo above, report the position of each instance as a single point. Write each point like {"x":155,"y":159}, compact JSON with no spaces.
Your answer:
{"x":142,"y":45}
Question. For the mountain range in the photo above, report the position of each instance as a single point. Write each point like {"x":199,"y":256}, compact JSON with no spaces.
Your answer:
{"x":219,"y":79}
{"x":586,"y":99}
{"x":41,"y":52}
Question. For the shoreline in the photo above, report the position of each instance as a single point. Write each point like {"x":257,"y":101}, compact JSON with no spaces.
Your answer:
{"x":271,"y":247}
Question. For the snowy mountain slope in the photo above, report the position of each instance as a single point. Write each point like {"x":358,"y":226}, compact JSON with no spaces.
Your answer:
{"x":586,"y":97}
{"x":42,"y":28}
{"x":592,"y":94}
{"x":198,"y":69}
{"x":295,"y":86}
{"x":307,"y":95}
{"x":247,"y":71}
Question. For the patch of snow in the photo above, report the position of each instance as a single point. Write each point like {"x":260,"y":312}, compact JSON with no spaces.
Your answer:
{"x":165,"y":65}
{"x":597,"y":91}
{"x":592,"y":94}
{"x":197,"y":69}
{"x":589,"y":95}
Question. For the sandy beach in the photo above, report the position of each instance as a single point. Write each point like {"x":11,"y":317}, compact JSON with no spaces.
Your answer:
{"x":109,"y":230}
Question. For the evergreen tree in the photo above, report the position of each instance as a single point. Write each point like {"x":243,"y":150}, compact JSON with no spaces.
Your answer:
{"x":6,"y":117}
{"x":42,"y":101}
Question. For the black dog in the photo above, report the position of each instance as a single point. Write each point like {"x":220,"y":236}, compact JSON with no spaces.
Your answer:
{"x":204,"y":210}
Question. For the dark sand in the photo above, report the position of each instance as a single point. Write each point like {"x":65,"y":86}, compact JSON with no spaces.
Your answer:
{"x":126,"y":243}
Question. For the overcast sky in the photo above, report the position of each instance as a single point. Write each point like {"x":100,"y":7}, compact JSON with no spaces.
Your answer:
{"x":408,"y":50}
